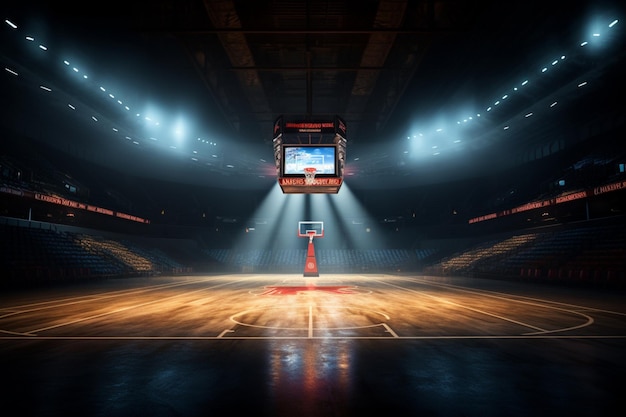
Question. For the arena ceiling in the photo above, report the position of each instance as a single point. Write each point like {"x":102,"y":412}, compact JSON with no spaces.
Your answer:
{"x":430,"y":90}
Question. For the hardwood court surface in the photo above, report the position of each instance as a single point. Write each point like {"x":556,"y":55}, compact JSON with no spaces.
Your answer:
{"x":335,"y":345}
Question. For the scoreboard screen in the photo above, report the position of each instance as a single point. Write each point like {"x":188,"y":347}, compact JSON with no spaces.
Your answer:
{"x":321,"y":157}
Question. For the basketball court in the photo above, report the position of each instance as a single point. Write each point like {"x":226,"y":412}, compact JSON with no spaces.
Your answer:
{"x":284,"y":345}
{"x":291,"y":306}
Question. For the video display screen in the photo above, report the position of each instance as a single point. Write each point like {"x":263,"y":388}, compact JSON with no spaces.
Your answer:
{"x":298,"y":157}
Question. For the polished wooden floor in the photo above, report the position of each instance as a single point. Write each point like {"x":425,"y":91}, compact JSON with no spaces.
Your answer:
{"x":334,"y":345}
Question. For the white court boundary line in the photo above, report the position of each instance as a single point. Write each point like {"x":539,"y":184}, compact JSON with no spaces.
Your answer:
{"x":65,"y":301}
{"x":33,"y":333}
{"x":508,"y":298}
{"x":497,"y":294}
{"x":221,"y":337}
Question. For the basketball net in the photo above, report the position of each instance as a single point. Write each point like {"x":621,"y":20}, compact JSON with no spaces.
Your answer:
{"x":309,"y":175}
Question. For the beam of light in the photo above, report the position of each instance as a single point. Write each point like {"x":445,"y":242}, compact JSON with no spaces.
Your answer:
{"x":280,"y":214}
{"x":273,"y":226}
{"x":338,"y":226}
{"x":354,"y":221}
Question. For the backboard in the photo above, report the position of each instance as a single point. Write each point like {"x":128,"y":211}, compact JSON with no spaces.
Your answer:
{"x":308,"y":228}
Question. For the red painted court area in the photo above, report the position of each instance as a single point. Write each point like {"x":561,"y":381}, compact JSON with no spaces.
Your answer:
{"x":297,"y":289}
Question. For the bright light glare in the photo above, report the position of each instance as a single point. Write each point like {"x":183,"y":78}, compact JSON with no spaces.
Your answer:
{"x":179,"y":132}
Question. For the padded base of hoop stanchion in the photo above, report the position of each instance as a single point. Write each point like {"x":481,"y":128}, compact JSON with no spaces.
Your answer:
{"x":310,"y":266}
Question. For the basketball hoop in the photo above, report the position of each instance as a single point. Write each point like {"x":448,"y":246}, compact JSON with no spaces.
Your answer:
{"x":309,"y":175}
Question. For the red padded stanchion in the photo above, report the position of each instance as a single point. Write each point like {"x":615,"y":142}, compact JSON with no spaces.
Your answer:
{"x":310,"y":266}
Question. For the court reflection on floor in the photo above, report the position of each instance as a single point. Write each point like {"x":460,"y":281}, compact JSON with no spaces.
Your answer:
{"x":309,"y":376}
